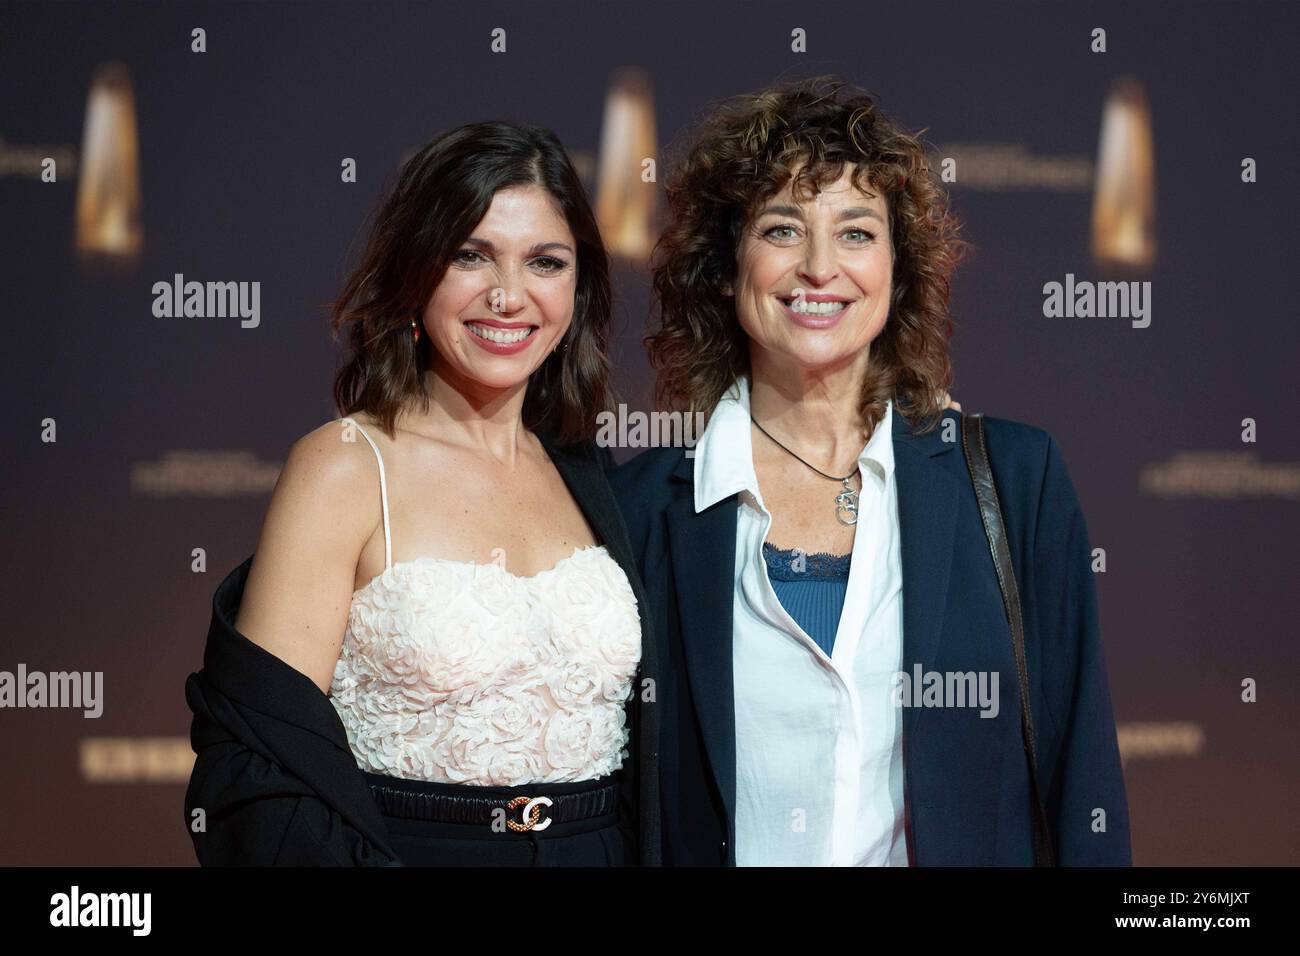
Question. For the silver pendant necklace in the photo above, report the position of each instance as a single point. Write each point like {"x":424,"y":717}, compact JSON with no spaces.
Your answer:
{"x":846,"y":502}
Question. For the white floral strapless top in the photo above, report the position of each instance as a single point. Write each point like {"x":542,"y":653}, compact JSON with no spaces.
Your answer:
{"x":465,"y":673}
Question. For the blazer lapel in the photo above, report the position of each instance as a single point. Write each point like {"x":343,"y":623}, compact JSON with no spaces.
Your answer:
{"x":703,"y":551}
{"x":590,"y":489}
{"x":927,"y":517}
{"x":587,"y":482}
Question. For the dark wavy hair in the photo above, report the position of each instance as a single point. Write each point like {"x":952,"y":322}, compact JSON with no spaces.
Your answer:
{"x":742,"y":153}
{"x":441,"y":194}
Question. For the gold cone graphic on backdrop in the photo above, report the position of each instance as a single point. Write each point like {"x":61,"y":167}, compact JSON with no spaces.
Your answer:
{"x":1124,"y":200}
{"x":625,"y":204}
{"x":108,"y":194}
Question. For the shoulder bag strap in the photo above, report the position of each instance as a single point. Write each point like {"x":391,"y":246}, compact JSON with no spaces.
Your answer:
{"x":977,"y":460}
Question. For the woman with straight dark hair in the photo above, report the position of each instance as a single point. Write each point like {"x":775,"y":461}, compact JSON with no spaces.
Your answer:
{"x":435,"y":655}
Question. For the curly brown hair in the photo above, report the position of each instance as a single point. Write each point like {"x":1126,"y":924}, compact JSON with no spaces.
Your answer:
{"x":742,"y":153}
{"x":441,"y":194}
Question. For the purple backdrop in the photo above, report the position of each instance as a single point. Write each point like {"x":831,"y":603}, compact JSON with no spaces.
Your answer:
{"x":170,"y":430}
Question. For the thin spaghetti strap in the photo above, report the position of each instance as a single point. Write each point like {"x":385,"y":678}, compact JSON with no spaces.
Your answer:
{"x":383,"y":492}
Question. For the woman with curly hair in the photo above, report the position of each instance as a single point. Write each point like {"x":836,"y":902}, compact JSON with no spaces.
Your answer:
{"x":832,"y":578}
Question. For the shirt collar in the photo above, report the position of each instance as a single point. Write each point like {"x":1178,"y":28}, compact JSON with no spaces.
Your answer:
{"x":724,"y":454}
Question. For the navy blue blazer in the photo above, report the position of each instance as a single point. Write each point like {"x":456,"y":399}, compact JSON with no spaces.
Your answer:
{"x":966,"y":777}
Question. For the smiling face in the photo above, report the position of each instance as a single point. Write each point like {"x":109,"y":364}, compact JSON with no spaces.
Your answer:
{"x":813,"y":277}
{"x":506,"y":299}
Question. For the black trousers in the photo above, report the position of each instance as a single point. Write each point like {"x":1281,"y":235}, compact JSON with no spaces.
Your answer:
{"x":419,"y":840}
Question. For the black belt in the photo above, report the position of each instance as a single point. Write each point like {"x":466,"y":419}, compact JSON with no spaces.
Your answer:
{"x":523,"y":812}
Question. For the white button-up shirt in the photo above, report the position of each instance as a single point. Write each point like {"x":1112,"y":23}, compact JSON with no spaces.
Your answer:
{"x":819,"y":763}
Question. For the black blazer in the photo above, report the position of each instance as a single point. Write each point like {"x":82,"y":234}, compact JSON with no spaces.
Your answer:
{"x":274,"y":776}
{"x":966,"y":781}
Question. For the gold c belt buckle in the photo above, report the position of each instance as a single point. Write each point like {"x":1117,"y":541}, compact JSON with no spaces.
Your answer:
{"x":531,"y":813}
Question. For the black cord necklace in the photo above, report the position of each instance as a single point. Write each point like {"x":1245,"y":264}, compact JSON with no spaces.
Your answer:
{"x":846,"y":502}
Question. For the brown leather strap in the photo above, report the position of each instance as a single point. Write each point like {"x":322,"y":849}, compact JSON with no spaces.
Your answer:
{"x":981,"y":473}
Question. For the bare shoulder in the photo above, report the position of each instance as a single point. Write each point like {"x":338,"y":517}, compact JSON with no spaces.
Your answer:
{"x":326,"y":494}
{"x":333,"y":457}
{"x":322,"y":511}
